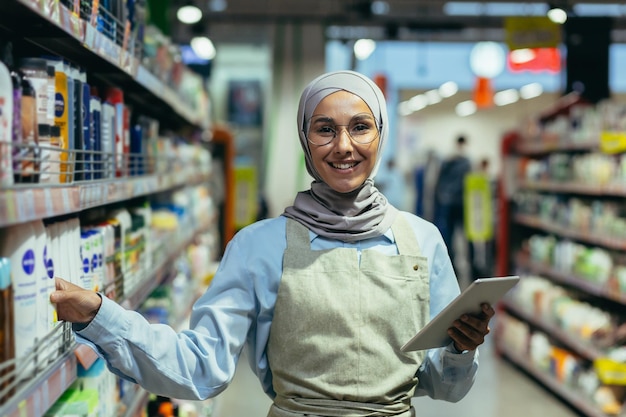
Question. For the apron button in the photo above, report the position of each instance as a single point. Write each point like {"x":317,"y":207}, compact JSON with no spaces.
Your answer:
{"x":416,"y":267}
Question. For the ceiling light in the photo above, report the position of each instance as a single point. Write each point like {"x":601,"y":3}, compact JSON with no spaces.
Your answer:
{"x":487,"y":59}
{"x":433,"y":96}
{"x":502,"y":98}
{"x":557,"y":15}
{"x":203,"y":47}
{"x":465,"y":108}
{"x":418,"y":102}
{"x":404,"y":108}
{"x":363,"y":48}
{"x":531,"y":91}
{"x":602,"y":9}
{"x":189,"y":14}
{"x":474,"y":8}
{"x":522,"y":56}
{"x":448,"y":89}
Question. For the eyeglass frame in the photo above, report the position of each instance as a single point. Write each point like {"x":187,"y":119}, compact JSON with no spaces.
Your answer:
{"x":308,"y":122}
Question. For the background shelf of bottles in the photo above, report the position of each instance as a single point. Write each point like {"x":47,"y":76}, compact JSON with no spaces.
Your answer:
{"x":87,"y":179}
{"x":115,"y":51}
{"x":31,"y":384}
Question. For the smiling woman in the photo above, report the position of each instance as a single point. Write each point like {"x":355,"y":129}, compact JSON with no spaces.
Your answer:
{"x":323,"y":296}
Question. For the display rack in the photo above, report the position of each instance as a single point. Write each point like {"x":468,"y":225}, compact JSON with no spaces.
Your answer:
{"x":68,"y":29}
{"x":515,"y":256}
{"x":53,"y":27}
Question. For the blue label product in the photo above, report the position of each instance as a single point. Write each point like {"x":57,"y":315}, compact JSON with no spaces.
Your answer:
{"x":108,"y":139}
{"x":88,"y":143}
{"x":19,"y":244}
{"x":137,"y":157}
{"x":61,"y":121}
{"x":95,"y":107}
{"x":44,"y":310}
{"x":79,"y":143}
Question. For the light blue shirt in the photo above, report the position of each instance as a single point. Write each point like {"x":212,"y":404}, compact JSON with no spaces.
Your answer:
{"x":237,"y":310}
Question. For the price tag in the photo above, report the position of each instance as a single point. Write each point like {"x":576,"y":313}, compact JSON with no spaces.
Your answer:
{"x":65,"y":197}
{"x":610,"y":372}
{"x":22,"y":408}
{"x":47,"y":197}
{"x":36,"y":400}
{"x":612,"y":142}
{"x":90,"y":37}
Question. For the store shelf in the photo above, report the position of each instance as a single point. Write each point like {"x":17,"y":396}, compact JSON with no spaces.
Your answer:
{"x":570,"y":279}
{"x":575,"y":399}
{"x":553,"y":143}
{"x":23,"y":204}
{"x":39,"y":395}
{"x":60,"y":31}
{"x":563,"y":337}
{"x":571,"y":233}
{"x":572,"y":187}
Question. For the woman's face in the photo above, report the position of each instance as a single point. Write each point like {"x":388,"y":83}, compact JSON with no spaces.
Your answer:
{"x":344,"y":164}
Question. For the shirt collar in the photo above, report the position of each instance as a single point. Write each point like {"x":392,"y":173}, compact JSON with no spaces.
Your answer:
{"x":388,"y":234}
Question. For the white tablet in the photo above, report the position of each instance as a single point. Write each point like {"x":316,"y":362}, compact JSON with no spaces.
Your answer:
{"x":482,"y":290}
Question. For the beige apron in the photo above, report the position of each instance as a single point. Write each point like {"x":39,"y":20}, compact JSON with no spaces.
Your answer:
{"x":334,"y":346}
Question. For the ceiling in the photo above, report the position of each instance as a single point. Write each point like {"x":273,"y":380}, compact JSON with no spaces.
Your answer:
{"x":246,"y":20}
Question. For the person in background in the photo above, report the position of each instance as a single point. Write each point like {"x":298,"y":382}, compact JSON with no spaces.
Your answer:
{"x":392,"y":184}
{"x":425,"y":180}
{"x":450,"y":216}
{"x":480,"y":220}
{"x":323,"y":296}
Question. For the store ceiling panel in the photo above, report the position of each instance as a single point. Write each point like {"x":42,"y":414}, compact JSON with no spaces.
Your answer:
{"x":391,"y":19}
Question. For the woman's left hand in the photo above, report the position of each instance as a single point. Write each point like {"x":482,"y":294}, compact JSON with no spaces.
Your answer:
{"x":469,"y":331}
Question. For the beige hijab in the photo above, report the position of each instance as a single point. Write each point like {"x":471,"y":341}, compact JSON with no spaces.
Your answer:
{"x":360,"y":214}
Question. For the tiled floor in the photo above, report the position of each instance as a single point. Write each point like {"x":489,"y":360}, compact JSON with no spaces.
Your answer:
{"x":499,"y":390}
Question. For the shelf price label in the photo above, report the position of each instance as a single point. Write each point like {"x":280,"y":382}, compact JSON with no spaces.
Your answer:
{"x":612,"y":142}
{"x":610,"y":372}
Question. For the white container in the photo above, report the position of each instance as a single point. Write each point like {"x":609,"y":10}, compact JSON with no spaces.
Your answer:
{"x":19,"y":244}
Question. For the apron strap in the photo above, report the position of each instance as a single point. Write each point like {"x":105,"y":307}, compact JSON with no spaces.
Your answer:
{"x":405,"y":237}
{"x":297,"y":236}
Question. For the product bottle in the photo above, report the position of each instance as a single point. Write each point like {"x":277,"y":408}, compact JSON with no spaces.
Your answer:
{"x":28,"y":155}
{"x":19,"y":244}
{"x":6,"y":126}
{"x":7,"y":347}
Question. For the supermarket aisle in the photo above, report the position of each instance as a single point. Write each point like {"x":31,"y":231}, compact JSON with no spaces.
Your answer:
{"x":499,"y":390}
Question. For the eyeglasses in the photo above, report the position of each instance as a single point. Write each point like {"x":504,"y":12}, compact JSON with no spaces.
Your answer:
{"x":321,"y":130}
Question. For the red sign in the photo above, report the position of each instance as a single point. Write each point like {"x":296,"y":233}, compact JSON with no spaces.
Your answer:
{"x":534,"y":59}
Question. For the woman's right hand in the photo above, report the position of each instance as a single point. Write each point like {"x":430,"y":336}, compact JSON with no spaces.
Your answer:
{"x":73,"y":303}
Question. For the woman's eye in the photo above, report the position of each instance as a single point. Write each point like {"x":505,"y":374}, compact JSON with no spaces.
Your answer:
{"x":360,"y":128}
{"x":326,"y":130}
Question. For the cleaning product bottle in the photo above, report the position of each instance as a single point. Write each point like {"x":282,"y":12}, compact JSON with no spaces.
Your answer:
{"x":6,"y":126}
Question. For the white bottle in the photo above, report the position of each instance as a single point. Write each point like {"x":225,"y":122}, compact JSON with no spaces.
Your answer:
{"x":19,"y":244}
{"x":43,"y":297}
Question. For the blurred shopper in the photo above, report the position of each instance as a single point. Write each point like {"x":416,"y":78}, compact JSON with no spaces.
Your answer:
{"x":449,"y":197}
{"x":425,"y":181}
{"x":480,"y":220}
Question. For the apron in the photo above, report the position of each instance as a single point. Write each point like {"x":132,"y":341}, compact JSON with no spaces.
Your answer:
{"x":334,"y":345}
